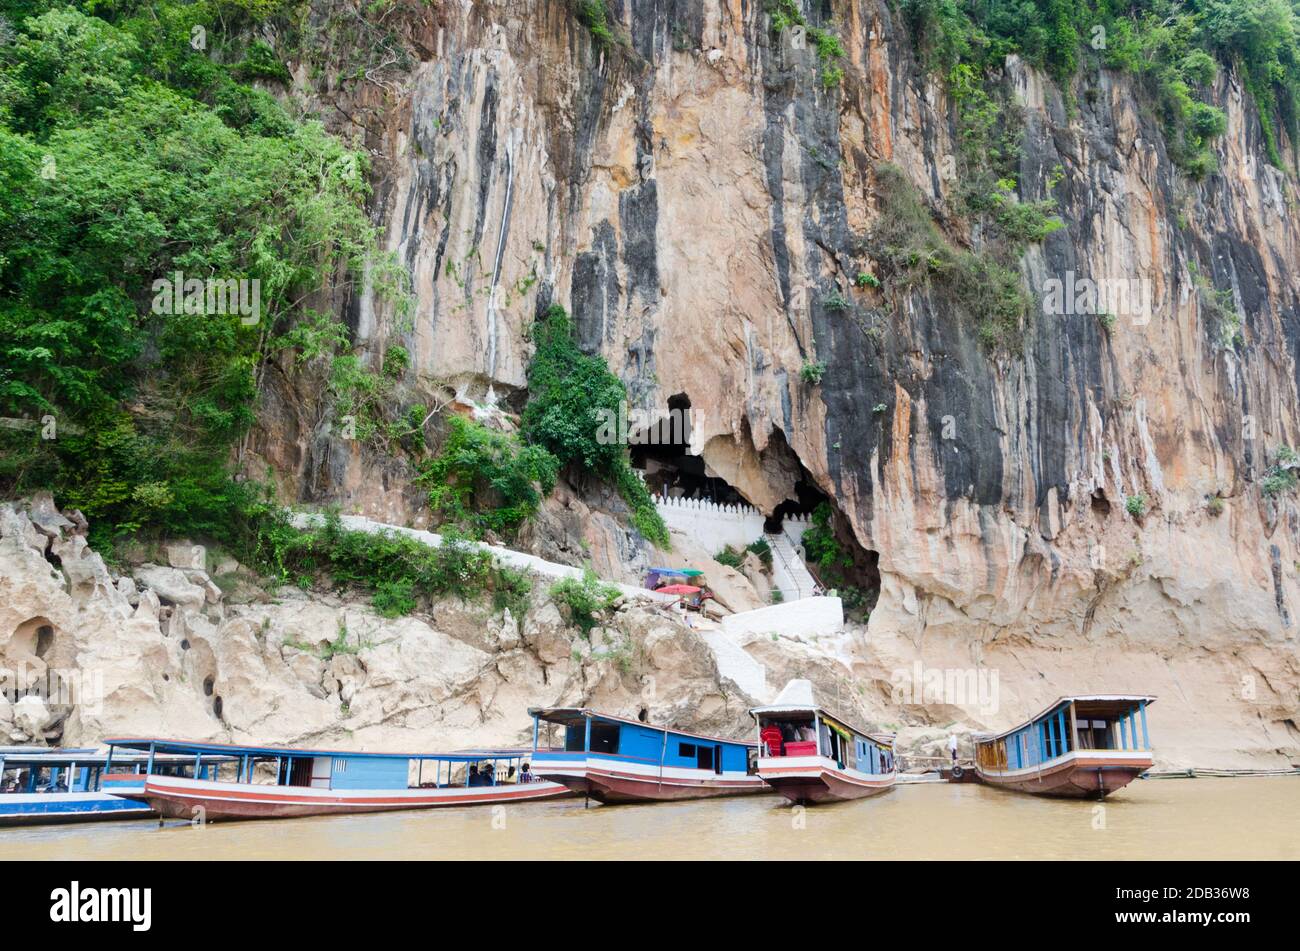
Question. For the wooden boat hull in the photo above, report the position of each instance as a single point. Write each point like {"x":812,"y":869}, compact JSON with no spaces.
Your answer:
{"x":808,"y":780}
{"x":611,"y":785}
{"x":198,"y":800}
{"x":1082,"y":775}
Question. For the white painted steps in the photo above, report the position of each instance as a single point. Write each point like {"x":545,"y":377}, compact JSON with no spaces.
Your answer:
{"x":789,"y":574}
{"x":735,"y":663}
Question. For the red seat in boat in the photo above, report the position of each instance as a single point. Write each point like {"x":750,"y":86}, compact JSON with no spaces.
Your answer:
{"x":802,"y":748}
{"x":771,"y":737}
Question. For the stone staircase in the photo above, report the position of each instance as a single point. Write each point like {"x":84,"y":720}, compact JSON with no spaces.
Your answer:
{"x":734,"y":662}
{"x":789,"y":575}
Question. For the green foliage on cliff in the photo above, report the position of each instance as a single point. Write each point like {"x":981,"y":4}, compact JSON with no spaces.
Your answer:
{"x":784,"y":14}
{"x":486,"y":479}
{"x":913,"y":251}
{"x":584,"y":602}
{"x":571,"y":399}
{"x":1173,"y":46}
{"x":398,"y":570}
{"x":126,"y":156}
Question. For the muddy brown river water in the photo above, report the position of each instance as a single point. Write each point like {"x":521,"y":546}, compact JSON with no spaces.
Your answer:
{"x":1248,"y":818}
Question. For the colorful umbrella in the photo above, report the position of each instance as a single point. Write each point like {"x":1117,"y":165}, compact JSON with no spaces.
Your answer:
{"x":678,"y":589}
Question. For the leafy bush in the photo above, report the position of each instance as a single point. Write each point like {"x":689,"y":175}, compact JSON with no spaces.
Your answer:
{"x":567,"y":392}
{"x":583,"y":602}
{"x":394,"y":598}
{"x":1136,"y":505}
{"x":595,"y":17}
{"x":1281,"y":476}
{"x":787,"y":13}
{"x":820,"y":544}
{"x":511,"y":589}
{"x":729,"y":557}
{"x":486,"y":479}
{"x":762,"y":549}
{"x":812,"y":372}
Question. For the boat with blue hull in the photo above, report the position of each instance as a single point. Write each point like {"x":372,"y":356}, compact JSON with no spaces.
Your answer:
{"x":617,"y":760}
{"x":40,"y":786}
{"x":1079,"y":747}
{"x":275,"y":782}
{"x":810,"y":756}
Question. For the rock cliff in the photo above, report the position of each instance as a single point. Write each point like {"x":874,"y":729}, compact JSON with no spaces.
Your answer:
{"x":702,"y":201}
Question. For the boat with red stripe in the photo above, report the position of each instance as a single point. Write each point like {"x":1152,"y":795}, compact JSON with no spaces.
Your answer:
{"x":273,"y":782}
{"x":614,"y":759}
{"x":1085,"y":746}
{"x":810,"y":756}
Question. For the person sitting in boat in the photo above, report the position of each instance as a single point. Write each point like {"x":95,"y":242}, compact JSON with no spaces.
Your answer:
{"x":525,"y":773}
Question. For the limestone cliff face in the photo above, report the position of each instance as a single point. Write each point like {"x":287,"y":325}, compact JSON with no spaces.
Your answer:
{"x":163,"y":650}
{"x":696,"y":197}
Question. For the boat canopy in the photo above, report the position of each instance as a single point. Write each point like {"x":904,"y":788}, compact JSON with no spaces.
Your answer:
{"x":796,"y":699}
{"x":1104,"y":706}
{"x":145,"y":744}
{"x":572,"y":716}
{"x":90,"y":757}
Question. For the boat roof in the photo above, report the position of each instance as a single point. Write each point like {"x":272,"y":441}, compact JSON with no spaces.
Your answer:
{"x":797,"y":697}
{"x":229,"y":749}
{"x":1096,"y":704}
{"x":15,"y":757}
{"x":567,"y":715}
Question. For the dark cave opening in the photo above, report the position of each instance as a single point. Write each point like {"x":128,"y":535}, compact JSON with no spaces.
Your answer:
{"x":661,"y":452}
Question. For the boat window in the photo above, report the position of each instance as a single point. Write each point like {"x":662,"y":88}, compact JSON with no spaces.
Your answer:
{"x":604,"y":737}
{"x":704,"y":757}
{"x":575,"y":737}
{"x":686,"y":749}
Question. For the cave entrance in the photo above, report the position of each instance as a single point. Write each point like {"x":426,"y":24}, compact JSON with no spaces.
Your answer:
{"x":661,"y":453}
{"x":807,"y":498}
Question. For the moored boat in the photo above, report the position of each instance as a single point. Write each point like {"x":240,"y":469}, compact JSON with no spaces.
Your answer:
{"x":40,"y":786}
{"x":615,"y":760}
{"x":1078,"y":747}
{"x":273,"y":782}
{"x":810,"y":756}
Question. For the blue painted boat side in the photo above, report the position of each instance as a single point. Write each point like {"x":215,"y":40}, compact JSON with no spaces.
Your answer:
{"x":33,"y":808}
{"x":643,"y":743}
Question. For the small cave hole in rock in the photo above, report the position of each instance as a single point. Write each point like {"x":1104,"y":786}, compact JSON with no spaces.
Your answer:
{"x":216,"y":708}
{"x":44,"y":639}
{"x":207,"y":686}
{"x":185,"y":645}
{"x":1100,"y":504}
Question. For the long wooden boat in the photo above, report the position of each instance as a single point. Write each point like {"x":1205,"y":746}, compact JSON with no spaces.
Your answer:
{"x":40,"y":786}
{"x":616,"y":760}
{"x":810,"y":756}
{"x":1078,"y":747}
{"x":273,"y":782}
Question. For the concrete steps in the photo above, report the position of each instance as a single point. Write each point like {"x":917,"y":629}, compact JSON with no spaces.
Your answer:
{"x":789,"y":574}
{"x":734,"y":663}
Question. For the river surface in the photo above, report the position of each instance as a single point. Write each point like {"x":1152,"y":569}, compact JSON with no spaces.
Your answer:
{"x":1248,"y":818}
